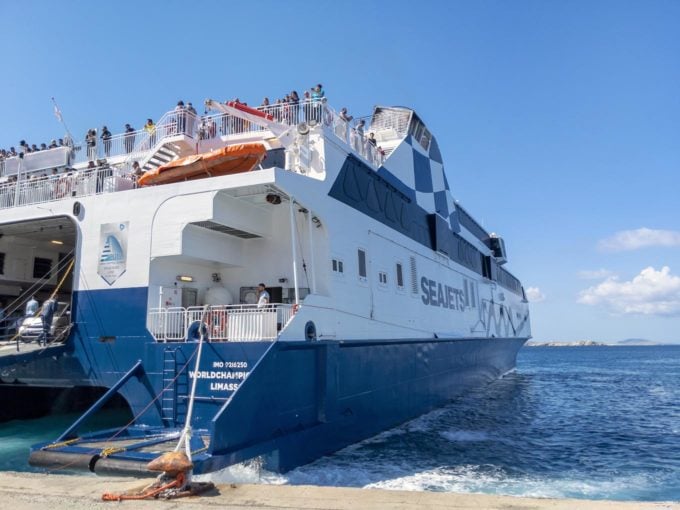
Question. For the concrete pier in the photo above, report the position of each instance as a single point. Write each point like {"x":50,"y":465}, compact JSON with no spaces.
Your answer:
{"x":24,"y":491}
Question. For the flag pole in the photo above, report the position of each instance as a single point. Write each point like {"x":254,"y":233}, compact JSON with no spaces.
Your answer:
{"x":60,"y":118}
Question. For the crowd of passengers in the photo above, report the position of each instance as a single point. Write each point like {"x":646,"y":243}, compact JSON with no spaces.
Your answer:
{"x":180,"y":121}
{"x":290,"y":109}
{"x":25,"y":148}
{"x":63,"y":182}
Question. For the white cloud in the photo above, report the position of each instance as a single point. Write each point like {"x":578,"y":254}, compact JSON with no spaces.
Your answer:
{"x":596,"y":274}
{"x":534,"y":294}
{"x":649,"y":293}
{"x":627,"y":240}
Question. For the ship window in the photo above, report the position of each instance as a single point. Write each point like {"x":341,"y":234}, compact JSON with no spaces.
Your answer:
{"x":338,"y":266}
{"x":400,"y":276}
{"x":41,"y":267}
{"x":414,"y":276}
{"x":425,"y":140}
{"x":2,"y":263}
{"x":362,"y":264}
{"x":382,"y":278}
{"x":486,"y":266}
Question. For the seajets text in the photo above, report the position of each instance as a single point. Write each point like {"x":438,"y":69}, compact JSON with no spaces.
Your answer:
{"x":436,"y":294}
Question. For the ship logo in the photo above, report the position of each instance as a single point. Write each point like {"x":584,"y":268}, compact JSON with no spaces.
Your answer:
{"x":112,"y":251}
{"x":113,"y":239}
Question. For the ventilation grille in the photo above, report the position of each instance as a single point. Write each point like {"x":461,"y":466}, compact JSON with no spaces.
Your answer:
{"x":216,"y":227}
{"x":414,"y":276}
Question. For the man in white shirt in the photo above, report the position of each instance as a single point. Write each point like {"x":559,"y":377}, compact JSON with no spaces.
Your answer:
{"x":32,"y":306}
{"x":262,"y":296}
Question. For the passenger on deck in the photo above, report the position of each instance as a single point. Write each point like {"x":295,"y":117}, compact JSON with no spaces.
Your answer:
{"x":203,"y":129}
{"x":137,"y":172}
{"x":262,"y":296}
{"x":150,"y":128}
{"x":317,"y":98}
{"x":129,"y":138}
{"x":341,"y":123}
{"x":53,"y":144}
{"x":381,"y":155}
{"x":357,"y":139}
{"x":307,"y":105}
{"x":106,"y":138}
{"x":191,"y":118}
{"x":360,"y":128}
{"x":180,"y":114}
{"x":370,"y":146}
{"x":318,"y":92}
{"x":212,"y":128}
{"x":294,"y":107}
{"x":345,"y":116}
{"x":91,"y":142}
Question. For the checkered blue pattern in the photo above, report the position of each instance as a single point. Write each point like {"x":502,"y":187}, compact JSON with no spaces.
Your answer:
{"x":423,"y":172}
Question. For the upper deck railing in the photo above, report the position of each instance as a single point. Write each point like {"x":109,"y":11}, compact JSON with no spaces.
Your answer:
{"x":62,"y":186}
{"x":29,"y":184}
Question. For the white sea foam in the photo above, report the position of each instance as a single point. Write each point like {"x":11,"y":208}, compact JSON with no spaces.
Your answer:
{"x":245,"y":472}
{"x":662,"y":393}
{"x":492,"y":480}
{"x":465,"y":435}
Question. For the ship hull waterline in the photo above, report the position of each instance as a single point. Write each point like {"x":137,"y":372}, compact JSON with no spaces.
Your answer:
{"x":303,"y":400}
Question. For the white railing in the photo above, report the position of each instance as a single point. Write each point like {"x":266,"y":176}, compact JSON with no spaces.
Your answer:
{"x":139,"y":144}
{"x":361,"y":144}
{"x":235,"y":323}
{"x":66,"y":185}
{"x":173,"y":123}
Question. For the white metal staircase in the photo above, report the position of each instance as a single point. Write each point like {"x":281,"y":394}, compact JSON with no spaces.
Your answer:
{"x":173,"y":138}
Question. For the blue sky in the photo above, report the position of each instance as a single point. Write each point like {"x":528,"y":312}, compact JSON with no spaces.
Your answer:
{"x":559,"y":122}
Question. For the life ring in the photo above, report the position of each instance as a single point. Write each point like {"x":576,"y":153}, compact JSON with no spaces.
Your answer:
{"x":217,"y":324}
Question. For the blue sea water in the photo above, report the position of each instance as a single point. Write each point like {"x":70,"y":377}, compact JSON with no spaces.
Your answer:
{"x":582,"y":422}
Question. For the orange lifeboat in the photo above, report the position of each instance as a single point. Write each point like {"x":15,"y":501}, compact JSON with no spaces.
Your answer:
{"x":232,"y":159}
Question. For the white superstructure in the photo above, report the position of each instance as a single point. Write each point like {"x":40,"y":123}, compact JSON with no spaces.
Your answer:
{"x":364,"y":240}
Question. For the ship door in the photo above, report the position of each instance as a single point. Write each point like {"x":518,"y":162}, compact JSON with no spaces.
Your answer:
{"x":189,"y":297}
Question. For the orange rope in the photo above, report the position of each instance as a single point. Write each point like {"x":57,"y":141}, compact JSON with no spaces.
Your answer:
{"x":150,"y":492}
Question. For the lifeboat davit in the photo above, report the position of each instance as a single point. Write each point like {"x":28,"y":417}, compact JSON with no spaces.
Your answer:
{"x":232,"y":159}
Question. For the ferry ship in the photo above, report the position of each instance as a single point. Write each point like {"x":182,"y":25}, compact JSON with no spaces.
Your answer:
{"x":386,"y":298}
